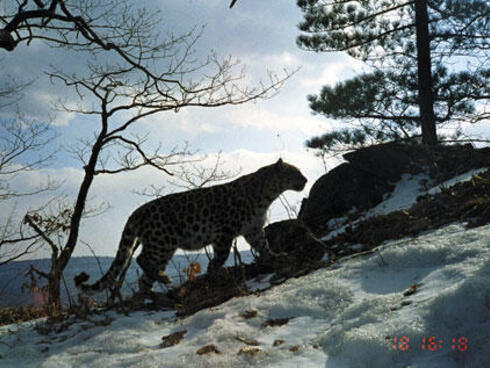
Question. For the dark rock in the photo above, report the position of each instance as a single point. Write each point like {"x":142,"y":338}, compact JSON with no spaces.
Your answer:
{"x":386,"y":162}
{"x":370,"y":173}
{"x":295,"y":239}
{"x":342,"y":189}
{"x":172,"y":339}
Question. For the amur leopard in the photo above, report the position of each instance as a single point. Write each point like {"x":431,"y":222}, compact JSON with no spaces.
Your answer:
{"x":194,"y":219}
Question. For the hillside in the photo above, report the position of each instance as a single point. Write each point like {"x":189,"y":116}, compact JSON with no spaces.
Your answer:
{"x":418,"y":296}
{"x":435,"y":285}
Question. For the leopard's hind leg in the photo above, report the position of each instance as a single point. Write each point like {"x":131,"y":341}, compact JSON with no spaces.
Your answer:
{"x":153,"y":266}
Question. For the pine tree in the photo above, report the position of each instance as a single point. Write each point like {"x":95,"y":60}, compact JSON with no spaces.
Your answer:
{"x":409,"y":45}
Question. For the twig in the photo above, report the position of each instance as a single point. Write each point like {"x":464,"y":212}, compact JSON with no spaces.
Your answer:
{"x":37,"y":229}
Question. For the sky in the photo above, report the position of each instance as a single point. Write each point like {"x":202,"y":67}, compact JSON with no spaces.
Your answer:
{"x":261,"y":35}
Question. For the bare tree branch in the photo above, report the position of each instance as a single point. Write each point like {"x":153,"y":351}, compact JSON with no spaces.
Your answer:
{"x":29,"y":220}
{"x":151,"y":75}
{"x":199,"y":175}
{"x":20,"y":139}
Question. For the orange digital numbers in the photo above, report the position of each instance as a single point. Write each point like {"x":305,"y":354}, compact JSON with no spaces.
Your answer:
{"x":401,"y":343}
{"x":432,"y":343}
{"x":460,"y":344}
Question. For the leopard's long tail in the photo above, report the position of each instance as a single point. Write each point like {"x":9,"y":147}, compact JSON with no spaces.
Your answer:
{"x":127,"y":246}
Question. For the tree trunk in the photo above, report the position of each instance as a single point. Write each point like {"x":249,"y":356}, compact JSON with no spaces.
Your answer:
{"x":426,"y":100}
{"x":54,"y":296}
{"x":58,"y":263}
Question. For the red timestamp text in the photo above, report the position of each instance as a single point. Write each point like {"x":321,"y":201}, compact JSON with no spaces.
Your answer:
{"x":430,"y":343}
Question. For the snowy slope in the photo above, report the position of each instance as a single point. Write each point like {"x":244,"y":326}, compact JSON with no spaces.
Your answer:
{"x":403,"y":196}
{"x":430,"y":290}
{"x":341,"y":317}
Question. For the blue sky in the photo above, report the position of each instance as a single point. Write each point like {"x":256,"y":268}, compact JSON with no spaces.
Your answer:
{"x":261,"y":34}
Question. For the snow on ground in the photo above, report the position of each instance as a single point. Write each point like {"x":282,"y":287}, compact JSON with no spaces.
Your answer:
{"x":345,"y":316}
{"x":348,"y":315}
{"x":403,"y":196}
{"x":409,"y":187}
{"x":457,"y":179}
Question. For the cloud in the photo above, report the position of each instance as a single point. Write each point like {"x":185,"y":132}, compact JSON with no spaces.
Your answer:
{"x":259,"y":62}
{"x":316,"y":75}
{"x":187,"y":122}
{"x":274,"y":121}
{"x":28,"y":64}
{"x":259,"y":33}
{"x":42,"y":106}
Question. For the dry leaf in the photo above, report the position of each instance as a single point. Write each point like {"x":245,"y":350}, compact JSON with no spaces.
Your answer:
{"x":247,"y":341}
{"x":182,"y":292}
{"x":249,"y":314}
{"x":172,"y":339}
{"x":208,"y":349}
{"x":412,"y":289}
{"x":248,"y":350}
{"x":275,"y":322}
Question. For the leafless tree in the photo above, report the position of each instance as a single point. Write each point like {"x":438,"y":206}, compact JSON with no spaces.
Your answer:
{"x":199,"y":175}
{"x":82,"y":25}
{"x":76,"y":24}
{"x":11,"y":90}
{"x":194,"y":174}
{"x":22,"y":148}
{"x":155,"y":75}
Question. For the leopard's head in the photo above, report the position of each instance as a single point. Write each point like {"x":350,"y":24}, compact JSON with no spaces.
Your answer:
{"x":289,"y":176}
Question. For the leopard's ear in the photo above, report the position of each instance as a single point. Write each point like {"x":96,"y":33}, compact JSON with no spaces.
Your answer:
{"x":278,"y":166}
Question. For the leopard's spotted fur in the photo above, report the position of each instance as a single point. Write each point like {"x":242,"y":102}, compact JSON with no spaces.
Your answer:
{"x":196,"y":218}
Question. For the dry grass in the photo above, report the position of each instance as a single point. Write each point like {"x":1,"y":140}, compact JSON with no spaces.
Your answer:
{"x":9,"y":315}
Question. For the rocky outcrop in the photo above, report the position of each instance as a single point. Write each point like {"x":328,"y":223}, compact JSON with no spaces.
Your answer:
{"x":295,"y":239}
{"x":369,"y":173}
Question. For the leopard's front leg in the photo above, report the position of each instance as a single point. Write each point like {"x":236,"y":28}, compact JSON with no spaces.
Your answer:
{"x":221,"y":248}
